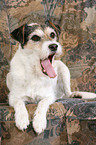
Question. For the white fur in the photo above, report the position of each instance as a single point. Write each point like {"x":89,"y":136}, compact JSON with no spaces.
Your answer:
{"x":32,"y":24}
{"x":37,"y":32}
{"x":26,"y":80}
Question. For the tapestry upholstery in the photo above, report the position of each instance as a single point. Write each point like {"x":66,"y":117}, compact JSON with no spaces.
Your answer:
{"x":77,"y":20}
{"x":69,"y":122}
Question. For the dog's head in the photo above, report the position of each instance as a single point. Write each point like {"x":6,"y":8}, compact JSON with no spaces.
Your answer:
{"x":42,"y":42}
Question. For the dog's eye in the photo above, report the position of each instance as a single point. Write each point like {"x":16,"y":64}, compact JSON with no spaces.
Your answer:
{"x":36,"y":38}
{"x":52,"y":35}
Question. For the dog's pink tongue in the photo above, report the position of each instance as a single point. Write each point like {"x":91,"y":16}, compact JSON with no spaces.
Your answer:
{"x":48,"y":68}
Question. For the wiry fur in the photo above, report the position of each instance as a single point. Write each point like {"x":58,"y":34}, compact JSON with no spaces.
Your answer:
{"x":27,"y":82}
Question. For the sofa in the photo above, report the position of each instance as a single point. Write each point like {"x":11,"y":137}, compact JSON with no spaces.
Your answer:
{"x":70,"y":121}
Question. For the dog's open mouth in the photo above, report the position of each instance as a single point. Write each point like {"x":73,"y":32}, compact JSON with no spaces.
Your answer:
{"x":47,"y":67}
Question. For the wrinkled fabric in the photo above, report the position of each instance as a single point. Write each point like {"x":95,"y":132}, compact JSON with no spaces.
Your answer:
{"x":69,"y":122}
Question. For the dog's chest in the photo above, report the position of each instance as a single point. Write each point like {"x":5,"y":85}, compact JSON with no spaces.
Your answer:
{"x":39,"y":87}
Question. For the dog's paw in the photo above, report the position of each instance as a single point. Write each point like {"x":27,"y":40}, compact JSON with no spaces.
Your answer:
{"x":21,"y":120}
{"x":83,"y":95}
{"x":39,"y":123}
{"x":76,"y":95}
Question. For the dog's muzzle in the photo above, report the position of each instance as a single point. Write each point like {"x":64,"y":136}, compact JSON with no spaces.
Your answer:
{"x":46,"y":64}
{"x":53,"y":47}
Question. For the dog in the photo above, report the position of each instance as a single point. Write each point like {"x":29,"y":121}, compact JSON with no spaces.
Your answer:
{"x":36,"y":76}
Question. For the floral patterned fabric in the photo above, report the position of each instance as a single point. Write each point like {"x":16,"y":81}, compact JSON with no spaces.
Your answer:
{"x":69,"y":122}
{"x":77,"y":19}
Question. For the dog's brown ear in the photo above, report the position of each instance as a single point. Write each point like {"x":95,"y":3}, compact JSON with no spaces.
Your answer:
{"x":19,"y":34}
{"x":58,"y":28}
{"x":54,"y":26}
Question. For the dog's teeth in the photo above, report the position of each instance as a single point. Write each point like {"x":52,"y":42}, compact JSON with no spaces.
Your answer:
{"x":44,"y":70}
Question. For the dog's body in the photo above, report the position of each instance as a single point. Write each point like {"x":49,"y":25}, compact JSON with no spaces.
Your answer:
{"x":35,"y":75}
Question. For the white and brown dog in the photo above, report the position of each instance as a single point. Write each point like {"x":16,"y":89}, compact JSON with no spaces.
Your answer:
{"x":35,"y":75}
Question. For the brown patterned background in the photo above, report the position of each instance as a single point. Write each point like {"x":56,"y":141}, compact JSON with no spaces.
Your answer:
{"x":77,"y":19}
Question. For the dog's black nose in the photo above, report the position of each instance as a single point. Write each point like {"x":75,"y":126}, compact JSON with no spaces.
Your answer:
{"x":53,"y":47}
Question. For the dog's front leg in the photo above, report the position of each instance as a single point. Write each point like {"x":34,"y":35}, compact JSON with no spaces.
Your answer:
{"x":39,"y":120}
{"x":16,"y":100}
{"x":21,"y":115}
{"x":63,"y":79}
